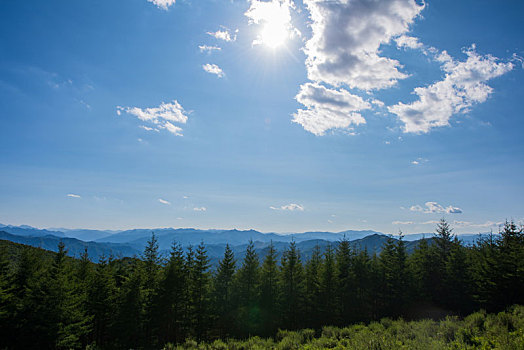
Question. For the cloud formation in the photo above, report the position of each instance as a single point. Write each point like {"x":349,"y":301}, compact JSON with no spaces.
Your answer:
{"x":200,"y":209}
{"x":403,"y":223}
{"x":213,"y":69}
{"x":434,"y":207}
{"x":209,"y":49}
{"x":328,"y":108}
{"x":345,"y":46}
{"x":224,"y":34}
{"x":163,"y":4}
{"x":463,"y":86}
{"x":71,"y":195}
{"x":162,"y":117}
{"x":163,"y":201}
{"x":289,"y":207}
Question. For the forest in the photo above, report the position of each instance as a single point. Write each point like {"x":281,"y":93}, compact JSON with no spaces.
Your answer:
{"x":51,"y":301}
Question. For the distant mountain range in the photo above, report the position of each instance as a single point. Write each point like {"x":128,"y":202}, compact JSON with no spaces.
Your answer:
{"x":132,"y":242}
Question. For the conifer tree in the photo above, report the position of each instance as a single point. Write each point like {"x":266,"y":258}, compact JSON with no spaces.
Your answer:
{"x":223,"y":289}
{"x":393,"y":262}
{"x":269,"y":292}
{"x":458,"y":279}
{"x":248,"y":283}
{"x":328,"y":288}
{"x":360,"y":270}
{"x":313,"y":298}
{"x":150,"y":278}
{"x":172,"y":298}
{"x":7,"y":302}
{"x":291,"y":288}
{"x":346,"y":283}
{"x":129,"y":309}
{"x":511,"y":262}
{"x":200,"y":292}
{"x":100,"y":302}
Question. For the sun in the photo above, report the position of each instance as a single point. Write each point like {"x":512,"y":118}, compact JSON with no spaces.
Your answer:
{"x":274,"y":35}
{"x":275,"y":20}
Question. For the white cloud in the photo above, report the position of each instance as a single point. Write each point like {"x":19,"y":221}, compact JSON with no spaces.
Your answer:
{"x":224,"y":34}
{"x":209,"y":49}
{"x":163,"y":201}
{"x":163,"y":4}
{"x":328,"y":108}
{"x":71,"y":195}
{"x":482,"y":225}
{"x":147,"y":128}
{"x":162,"y":117}
{"x":213,"y":69}
{"x":289,"y":207}
{"x":463,"y":86}
{"x":408,"y":42}
{"x":345,"y":46}
{"x":403,"y":223}
{"x":200,"y":209}
{"x":434,"y":207}
{"x":419,"y":161}
{"x":175,"y":130}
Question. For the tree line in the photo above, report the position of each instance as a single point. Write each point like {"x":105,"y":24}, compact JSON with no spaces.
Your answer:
{"x":56,"y":302}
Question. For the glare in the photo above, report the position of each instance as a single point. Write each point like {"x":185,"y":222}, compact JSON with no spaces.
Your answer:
{"x":274,"y":35}
{"x":275,"y":18}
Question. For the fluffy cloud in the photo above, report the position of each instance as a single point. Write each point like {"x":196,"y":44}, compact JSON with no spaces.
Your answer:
{"x":209,"y":49}
{"x":289,"y":207}
{"x":163,"y":201}
{"x":200,"y":209}
{"x":408,"y":42}
{"x":328,"y":108}
{"x":345,"y":46}
{"x":463,"y":85}
{"x":213,"y":69}
{"x":224,"y":34}
{"x":434,"y":207}
{"x":71,"y":195}
{"x":163,"y":4}
{"x":162,"y":117}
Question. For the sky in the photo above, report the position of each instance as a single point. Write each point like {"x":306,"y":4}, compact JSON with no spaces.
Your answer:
{"x":279,"y":116}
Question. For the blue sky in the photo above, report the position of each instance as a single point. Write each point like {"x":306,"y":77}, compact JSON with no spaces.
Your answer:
{"x":278,"y":116}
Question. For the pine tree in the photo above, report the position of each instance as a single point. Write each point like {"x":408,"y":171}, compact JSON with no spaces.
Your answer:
{"x":173,"y":298}
{"x":328,"y":288}
{"x":458,"y":279}
{"x":360,"y":270}
{"x":511,"y":262}
{"x":248,"y":283}
{"x":200,"y":292}
{"x":346,"y":283}
{"x":150,"y":277}
{"x":393,"y":262}
{"x":313,"y":299}
{"x":269,"y":292}
{"x":100,"y":302}
{"x":485,"y":268}
{"x":291,"y":288}
{"x":442,"y":249}
{"x":129,"y":309}
{"x":422,"y":266}
{"x":7,"y":302}
{"x":223,"y":289}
